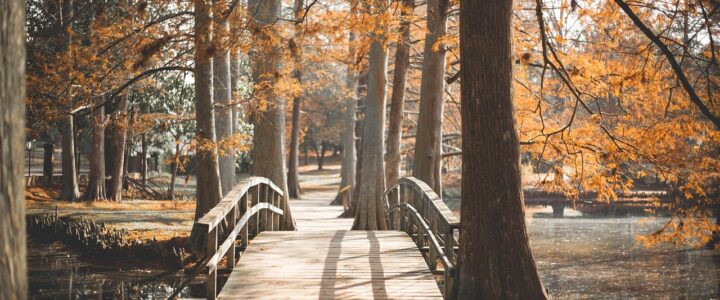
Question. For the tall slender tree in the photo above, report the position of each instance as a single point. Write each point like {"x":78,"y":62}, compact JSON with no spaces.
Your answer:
{"x":95,"y":189}
{"x":402,"y":61}
{"x":268,"y":154}
{"x":222,"y":95}
{"x":428,"y":143}
{"x":209,"y":191}
{"x":13,"y":271}
{"x":296,"y":51}
{"x":370,"y":214}
{"x":494,"y":250}
{"x":349,"y":154}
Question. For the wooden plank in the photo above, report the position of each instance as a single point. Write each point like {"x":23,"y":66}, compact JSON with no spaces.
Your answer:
{"x":331,"y":265}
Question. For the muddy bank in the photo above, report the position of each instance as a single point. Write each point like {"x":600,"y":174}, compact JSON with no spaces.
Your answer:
{"x":97,"y":241}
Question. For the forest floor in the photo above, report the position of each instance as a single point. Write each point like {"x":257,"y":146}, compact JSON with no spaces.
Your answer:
{"x":163,"y":220}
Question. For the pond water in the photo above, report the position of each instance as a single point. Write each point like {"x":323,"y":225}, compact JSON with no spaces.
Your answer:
{"x":600,"y":258}
{"x":56,"y":272}
{"x":577,"y":258}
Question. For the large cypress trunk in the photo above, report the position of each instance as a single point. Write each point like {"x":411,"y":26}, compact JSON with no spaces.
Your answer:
{"x":13,"y":272}
{"x":117,"y":168}
{"x":222,"y":91}
{"x":496,"y":259}
{"x":402,"y":60}
{"x":428,"y":143}
{"x":70,"y":191}
{"x":208,"y":192}
{"x":96,"y":183}
{"x":268,"y":154}
{"x":370,"y":214}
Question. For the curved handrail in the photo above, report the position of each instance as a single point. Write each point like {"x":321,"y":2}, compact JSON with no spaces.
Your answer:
{"x":264,"y":195}
{"x":428,"y":221}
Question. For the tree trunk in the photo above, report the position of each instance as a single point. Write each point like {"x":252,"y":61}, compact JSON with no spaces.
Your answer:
{"x":96,"y":184}
{"x":321,"y":156}
{"x":428,"y":143}
{"x":208,"y":192}
{"x":118,"y":142}
{"x":13,"y":272}
{"x":268,"y":154}
{"x":293,"y":176}
{"x":173,"y":170}
{"x":402,"y":61}
{"x":496,"y":259}
{"x":238,"y":116}
{"x":296,"y":52}
{"x":48,"y":162}
{"x":349,"y":158}
{"x":370,"y":214}
{"x":223,"y":110}
{"x":70,"y":191}
{"x":143,"y":158}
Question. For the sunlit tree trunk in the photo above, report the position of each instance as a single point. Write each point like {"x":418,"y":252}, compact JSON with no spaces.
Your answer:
{"x":296,"y":51}
{"x":402,"y":61}
{"x":119,"y":129}
{"x":428,"y":143}
{"x":222,"y":93}
{"x":268,"y":154}
{"x":496,"y":259}
{"x":238,"y":116}
{"x":70,"y":191}
{"x":208,"y":192}
{"x":13,"y":272}
{"x":370,"y":214}
{"x":96,"y":183}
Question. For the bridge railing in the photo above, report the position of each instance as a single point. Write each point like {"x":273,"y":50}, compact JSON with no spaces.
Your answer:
{"x":413,"y":207}
{"x":259,"y":202}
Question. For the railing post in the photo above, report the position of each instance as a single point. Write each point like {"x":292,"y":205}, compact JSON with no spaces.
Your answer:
{"x":450,"y":273}
{"x":232,"y":220}
{"x":256,"y":217}
{"x":244,"y":231}
{"x":276,"y":217}
{"x":432,"y":255}
{"x":212,"y":276}
{"x":262,"y":222}
{"x":271,"y":201}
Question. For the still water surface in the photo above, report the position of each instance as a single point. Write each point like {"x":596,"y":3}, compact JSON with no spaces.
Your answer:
{"x":577,"y":258}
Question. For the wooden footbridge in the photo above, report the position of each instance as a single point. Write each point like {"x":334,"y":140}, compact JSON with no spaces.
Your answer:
{"x":324,"y":259}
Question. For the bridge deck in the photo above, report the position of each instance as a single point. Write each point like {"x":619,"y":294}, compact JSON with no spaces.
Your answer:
{"x":325,"y":260}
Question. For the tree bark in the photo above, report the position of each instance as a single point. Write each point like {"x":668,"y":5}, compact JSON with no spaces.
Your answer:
{"x":119,"y":130}
{"x":222,"y":93}
{"x":268,"y":154}
{"x":497,"y":262}
{"x":96,"y":183}
{"x":48,"y":162}
{"x":296,"y":52}
{"x":143,"y":158}
{"x":349,"y":158}
{"x":370,"y":214}
{"x":428,"y":143}
{"x":208,"y":192}
{"x":70,"y":191}
{"x":402,"y":61}
{"x":13,"y":272}
{"x":235,"y":75}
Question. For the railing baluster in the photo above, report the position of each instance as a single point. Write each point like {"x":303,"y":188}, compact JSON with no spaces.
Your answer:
{"x":212,"y":277}
{"x":244,"y":231}
{"x":276,"y":216}
{"x":257,"y":199}
{"x":450,"y":273}
{"x":232,"y":220}
{"x":271,"y":201}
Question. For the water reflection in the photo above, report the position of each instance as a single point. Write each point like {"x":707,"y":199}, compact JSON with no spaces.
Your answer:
{"x":577,"y":258}
{"x":56,"y":273}
{"x":600,"y":258}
